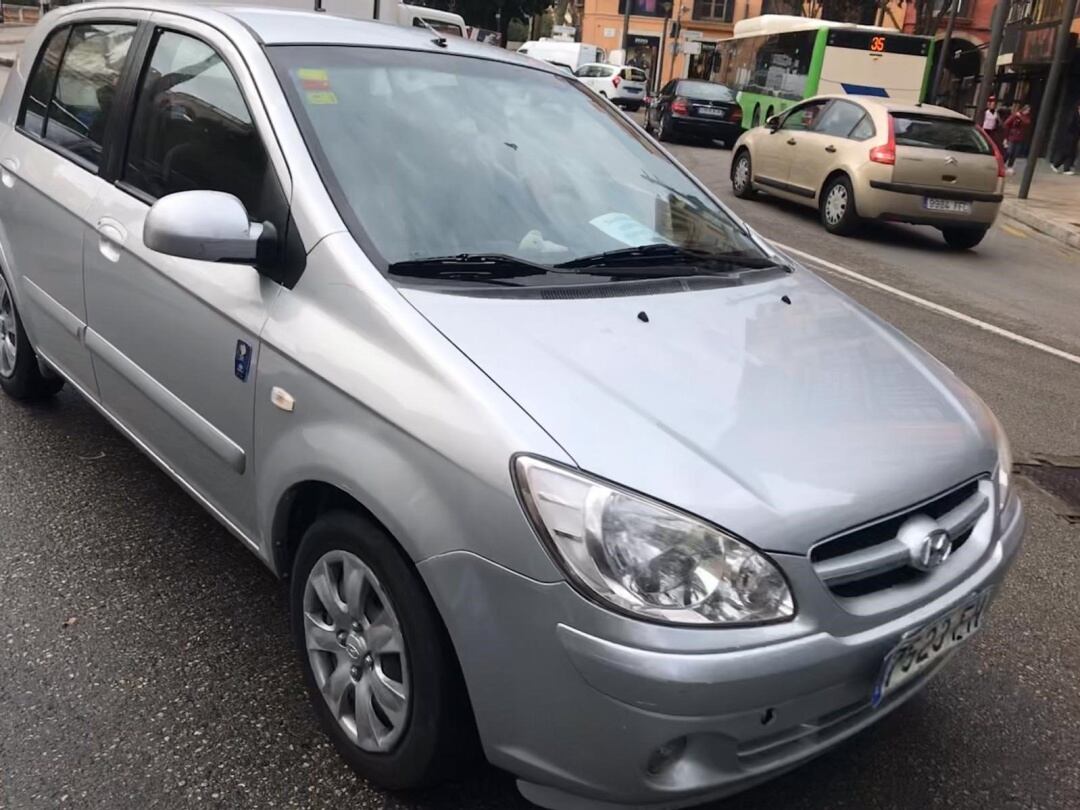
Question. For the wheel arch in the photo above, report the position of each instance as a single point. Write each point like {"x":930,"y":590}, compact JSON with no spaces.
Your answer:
{"x":740,"y":150}
{"x":839,"y":171}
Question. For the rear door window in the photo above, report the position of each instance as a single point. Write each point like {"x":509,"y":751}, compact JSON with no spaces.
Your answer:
{"x":930,"y":132}
{"x":839,"y":119}
{"x":632,"y":74}
{"x":43,"y":81}
{"x":76,"y":113}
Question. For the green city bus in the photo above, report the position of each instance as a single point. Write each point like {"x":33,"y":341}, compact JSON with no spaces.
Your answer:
{"x":774,"y":61}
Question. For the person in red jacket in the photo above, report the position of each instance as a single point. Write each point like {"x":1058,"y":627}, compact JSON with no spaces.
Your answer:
{"x":1017,"y":131}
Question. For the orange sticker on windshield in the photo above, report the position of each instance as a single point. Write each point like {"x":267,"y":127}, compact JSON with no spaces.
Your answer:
{"x":313,"y":79}
{"x":321,"y":97}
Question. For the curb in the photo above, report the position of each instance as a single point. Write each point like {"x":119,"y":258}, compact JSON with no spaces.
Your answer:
{"x":1062,"y":233}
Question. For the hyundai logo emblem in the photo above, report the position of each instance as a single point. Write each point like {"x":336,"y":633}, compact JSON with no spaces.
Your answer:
{"x":928,"y":544}
{"x":933,"y":551}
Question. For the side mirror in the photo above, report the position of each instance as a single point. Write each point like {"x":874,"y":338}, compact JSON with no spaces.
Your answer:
{"x":773,"y":123}
{"x":208,"y":225}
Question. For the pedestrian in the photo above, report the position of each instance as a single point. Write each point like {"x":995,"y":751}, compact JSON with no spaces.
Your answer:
{"x":992,"y":123}
{"x":1064,"y":159}
{"x":1017,"y":131}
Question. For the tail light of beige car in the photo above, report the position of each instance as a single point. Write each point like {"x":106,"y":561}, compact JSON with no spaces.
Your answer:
{"x":994,"y":148}
{"x":886,"y":153}
{"x":679,"y":106}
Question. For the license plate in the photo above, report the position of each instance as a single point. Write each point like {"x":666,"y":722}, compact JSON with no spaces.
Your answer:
{"x":713,"y":112}
{"x":952,"y":206}
{"x":919,"y":649}
{"x":634,"y":89}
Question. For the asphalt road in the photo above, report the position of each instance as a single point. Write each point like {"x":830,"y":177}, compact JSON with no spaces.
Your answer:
{"x":145,"y":659}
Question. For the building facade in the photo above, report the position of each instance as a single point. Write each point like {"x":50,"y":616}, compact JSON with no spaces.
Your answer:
{"x":685,"y":32}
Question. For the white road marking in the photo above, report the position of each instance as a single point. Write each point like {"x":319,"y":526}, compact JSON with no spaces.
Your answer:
{"x":840,"y":270}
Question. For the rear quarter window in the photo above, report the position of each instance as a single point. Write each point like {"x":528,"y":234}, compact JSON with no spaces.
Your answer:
{"x":930,"y":132}
{"x":632,"y":74}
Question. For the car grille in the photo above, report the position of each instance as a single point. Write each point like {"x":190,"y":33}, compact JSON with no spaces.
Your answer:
{"x":873,"y":558}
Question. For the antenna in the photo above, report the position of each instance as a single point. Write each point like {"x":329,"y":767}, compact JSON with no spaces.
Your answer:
{"x":439,"y":40}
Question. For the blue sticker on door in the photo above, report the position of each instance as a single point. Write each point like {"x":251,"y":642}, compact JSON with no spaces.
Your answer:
{"x":243,"y":360}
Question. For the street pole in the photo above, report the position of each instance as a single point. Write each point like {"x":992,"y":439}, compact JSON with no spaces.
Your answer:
{"x":1050,"y":94}
{"x":626,"y":32}
{"x":945,"y":44}
{"x":997,"y":29}
{"x":663,"y":46}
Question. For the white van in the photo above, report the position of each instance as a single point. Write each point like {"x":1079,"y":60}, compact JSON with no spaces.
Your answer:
{"x":562,"y":52}
{"x":391,"y":11}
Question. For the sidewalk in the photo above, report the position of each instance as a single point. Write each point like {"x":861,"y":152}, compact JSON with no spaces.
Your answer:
{"x":1052,"y":207}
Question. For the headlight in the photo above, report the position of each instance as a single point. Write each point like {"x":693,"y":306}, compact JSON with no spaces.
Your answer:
{"x":646,"y":558}
{"x":1003,"y":474}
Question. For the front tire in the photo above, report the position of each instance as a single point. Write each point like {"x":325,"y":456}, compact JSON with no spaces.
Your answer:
{"x":21,"y":376}
{"x":379,"y":667}
{"x":837,"y":207}
{"x":963,"y":238}
{"x":742,"y":174}
{"x":665,"y":133}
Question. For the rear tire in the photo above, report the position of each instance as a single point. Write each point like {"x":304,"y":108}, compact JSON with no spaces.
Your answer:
{"x":21,"y":376}
{"x":742,"y":175}
{"x":963,"y":238}
{"x":367,"y":630}
{"x":755,"y":119}
{"x":837,"y":207}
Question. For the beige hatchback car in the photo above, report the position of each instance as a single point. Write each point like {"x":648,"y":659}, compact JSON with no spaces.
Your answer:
{"x":861,"y":157}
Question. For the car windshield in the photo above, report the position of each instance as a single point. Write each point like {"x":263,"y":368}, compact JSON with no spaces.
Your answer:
{"x":432,"y":155}
{"x":708,"y":91}
{"x":939,"y":133}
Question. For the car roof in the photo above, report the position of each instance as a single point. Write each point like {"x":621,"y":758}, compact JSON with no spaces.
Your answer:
{"x":891,"y":106}
{"x":286,"y":26}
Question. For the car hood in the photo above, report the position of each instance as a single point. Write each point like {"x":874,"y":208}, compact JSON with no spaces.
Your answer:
{"x":781,"y":422}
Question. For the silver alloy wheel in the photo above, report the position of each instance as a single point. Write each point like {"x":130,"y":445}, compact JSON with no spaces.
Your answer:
{"x":836,"y":203}
{"x":742,"y":173}
{"x":357,"y":650}
{"x":9,"y":331}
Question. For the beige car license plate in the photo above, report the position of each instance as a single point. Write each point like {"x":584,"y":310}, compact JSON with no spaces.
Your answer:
{"x":919,"y":649}
{"x":952,"y":206}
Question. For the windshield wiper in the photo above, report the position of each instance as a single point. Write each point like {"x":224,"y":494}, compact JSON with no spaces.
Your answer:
{"x":662,"y":254}
{"x":491,"y":267}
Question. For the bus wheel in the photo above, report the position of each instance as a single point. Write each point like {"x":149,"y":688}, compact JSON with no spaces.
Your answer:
{"x":742,"y":184}
{"x":837,"y":206}
{"x":756,"y":119}
{"x":769,"y":114}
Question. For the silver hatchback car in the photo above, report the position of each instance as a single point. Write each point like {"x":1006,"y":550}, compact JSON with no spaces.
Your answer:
{"x":556,"y":455}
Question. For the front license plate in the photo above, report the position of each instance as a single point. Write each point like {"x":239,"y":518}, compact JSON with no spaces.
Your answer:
{"x":712,"y":112}
{"x":919,"y":649}
{"x":952,"y":206}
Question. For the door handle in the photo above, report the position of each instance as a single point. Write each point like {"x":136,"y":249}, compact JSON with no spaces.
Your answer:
{"x":790,"y":141}
{"x":830,"y":148}
{"x":8,"y":166}
{"x":111,"y":236}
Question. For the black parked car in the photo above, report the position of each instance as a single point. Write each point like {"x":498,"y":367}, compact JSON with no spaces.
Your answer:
{"x":695,"y":108}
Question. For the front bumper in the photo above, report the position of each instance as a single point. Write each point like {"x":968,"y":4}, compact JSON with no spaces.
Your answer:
{"x":575,"y":701}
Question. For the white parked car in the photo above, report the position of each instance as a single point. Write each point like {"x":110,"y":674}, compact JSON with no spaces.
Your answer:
{"x":562,"y":52}
{"x":624,"y":86}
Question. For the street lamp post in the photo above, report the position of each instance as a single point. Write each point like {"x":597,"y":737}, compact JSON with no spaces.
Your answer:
{"x":666,"y":6}
{"x":997,"y":28}
{"x":945,"y":44}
